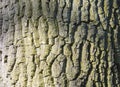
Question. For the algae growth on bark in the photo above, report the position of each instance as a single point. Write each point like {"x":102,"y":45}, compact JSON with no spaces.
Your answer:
{"x":59,"y":43}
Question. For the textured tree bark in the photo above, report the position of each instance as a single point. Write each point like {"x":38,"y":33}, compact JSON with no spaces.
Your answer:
{"x":60,"y":43}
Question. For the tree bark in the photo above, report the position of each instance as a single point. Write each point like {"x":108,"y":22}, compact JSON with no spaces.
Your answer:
{"x":60,"y":43}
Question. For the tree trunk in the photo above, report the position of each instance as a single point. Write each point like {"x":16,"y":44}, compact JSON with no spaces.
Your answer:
{"x":60,"y":43}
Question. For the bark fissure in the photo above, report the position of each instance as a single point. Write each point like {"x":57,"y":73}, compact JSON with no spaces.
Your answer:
{"x":59,"y":43}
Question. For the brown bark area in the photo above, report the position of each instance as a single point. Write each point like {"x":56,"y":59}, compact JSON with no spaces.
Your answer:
{"x":60,"y":43}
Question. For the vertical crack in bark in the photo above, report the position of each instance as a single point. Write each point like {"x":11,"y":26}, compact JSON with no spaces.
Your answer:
{"x":59,"y":43}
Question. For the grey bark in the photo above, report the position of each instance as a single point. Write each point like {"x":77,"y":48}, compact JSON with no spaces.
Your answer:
{"x":60,"y":43}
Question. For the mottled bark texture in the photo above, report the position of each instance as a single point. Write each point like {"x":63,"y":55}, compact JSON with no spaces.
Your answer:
{"x":60,"y":43}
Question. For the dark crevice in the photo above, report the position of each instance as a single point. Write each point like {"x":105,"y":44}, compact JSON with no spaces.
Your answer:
{"x":80,"y":55}
{"x":6,"y":59}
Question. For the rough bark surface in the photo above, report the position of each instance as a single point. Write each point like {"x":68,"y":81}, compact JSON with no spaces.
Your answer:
{"x":60,"y":43}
